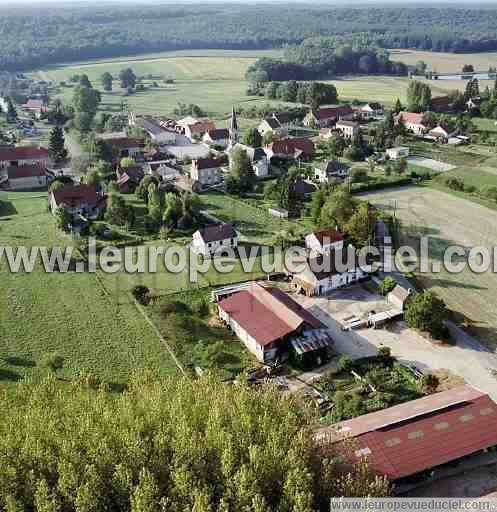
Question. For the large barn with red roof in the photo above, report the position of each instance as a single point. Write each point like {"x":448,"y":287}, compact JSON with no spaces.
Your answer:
{"x":271,"y":324}
{"x":418,"y":436}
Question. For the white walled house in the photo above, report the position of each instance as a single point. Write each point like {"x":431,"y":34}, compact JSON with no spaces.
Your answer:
{"x":206,"y":172}
{"x":257,"y":157}
{"x":23,"y":155}
{"x":218,"y":137}
{"x":349,"y":129}
{"x":397,"y":153}
{"x":371,"y":110}
{"x":413,"y":122}
{"x":79,"y":201}
{"x":212,"y":238}
{"x":26,"y":177}
{"x":325,"y":241}
{"x":331,"y":170}
{"x":327,"y":272}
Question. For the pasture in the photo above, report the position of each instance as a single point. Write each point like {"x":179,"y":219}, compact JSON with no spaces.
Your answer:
{"x":70,"y":313}
{"x":449,"y":220}
{"x":215,"y":80}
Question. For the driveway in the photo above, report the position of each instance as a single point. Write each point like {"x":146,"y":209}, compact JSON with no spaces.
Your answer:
{"x":467,"y":358}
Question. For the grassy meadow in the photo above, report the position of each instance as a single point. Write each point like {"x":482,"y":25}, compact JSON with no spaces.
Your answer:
{"x":69,"y":314}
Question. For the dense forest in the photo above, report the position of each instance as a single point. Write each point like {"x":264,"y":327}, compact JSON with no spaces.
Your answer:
{"x":48,"y":35}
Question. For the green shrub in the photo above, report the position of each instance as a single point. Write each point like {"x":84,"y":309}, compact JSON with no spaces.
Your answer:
{"x":345,"y":364}
{"x":52,"y":361}
{"x":387,"y":285}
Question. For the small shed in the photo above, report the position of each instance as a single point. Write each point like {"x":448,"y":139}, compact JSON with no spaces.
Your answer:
{"x":281,"y":213}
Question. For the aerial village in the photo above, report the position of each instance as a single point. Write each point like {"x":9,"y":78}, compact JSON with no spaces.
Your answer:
{"x":341,"y":340}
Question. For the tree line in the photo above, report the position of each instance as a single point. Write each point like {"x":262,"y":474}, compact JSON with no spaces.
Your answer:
{"x":75,"y":33}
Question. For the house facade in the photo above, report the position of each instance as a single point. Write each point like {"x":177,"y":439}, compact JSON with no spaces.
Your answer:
{"x":23,"y":155}
{"x":217,"y":137}
{"x":80,"y":201}
{"x":257,"y":157}
{"x":413,"y":122}
{"x":211,"y":239}
{"x":206,"y":172}
{"x":296,"y":148}
{"x":348,"y":129}
{"x":371,"y":110}
{"x":26,"y":177}
{"x":325,"y":241}
{"x":397,"y":153}
{"x":328,"y":116}
{"x":330,"y":171}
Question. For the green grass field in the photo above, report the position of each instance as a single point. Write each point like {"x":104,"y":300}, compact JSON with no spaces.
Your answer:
{"x":214,"y":80}
{"x":69,"y":314}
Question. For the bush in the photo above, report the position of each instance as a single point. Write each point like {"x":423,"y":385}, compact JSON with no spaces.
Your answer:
{"x":387,"y":285}
{"x":385,"y":353}
{"x":427,"y":312}
{"x":429,"y":383}
{"x":141,"y":294}
{"x":175,"y":306}
{"x":52,"y":361}
{"x":345,"y":364}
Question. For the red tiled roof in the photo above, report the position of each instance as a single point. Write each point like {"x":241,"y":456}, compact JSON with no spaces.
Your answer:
{"x":202,"y":127}
{"x":333,"y":112}
{"x":133,"y":174}
{"x":267,"y":314}
{"x":73,"y":195}
{"x":292,"y":146}
{"x":34,"y":104}
{"x":126,"y":142}
{"x":208,"y":163}
{"x":411,"y":117}
{"x":331,"y":236}
{"x":422,"y":434}
{"x":23,"y":153}
{"x":25,"y":171}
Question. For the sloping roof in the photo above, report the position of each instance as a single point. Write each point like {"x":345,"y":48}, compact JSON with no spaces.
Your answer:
{"x":202,"y":127}
{"x":329,"y":235}
{"x":219,"y":134}
{"x":267,"y":314}
{"x":34,"y":104}
{"x":411,"y":117}
{"x":272,"y":122}
{"x":282,"y":117}
{"x":333,"y":166}
{"x":291,"y":146}
{"x":348,"y":123}
{"x":74,"y":195}
{"x":23,"y":153}
{"x":418,"y":435}
{"x":25,"y":171}
{"x":373,"y":105}
{"x":324,"y":266}
{"x":333,"y":112}
{"x":130,"y":174}
{"x":207,"y":163}
{"x":217,"y":233}
{"x":400,"y":293}
{"x":126,"y":142}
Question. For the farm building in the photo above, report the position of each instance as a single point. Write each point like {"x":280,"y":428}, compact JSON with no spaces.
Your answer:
{"x":297,"y":148}
{"x":26,"y":177}
{"x":327,"y":116}
{"x":271,"y":325}
{"x":206,"y":171}
{"x":415,"y":439}
{"x":217,"y":137}
{"x":212,"y":238}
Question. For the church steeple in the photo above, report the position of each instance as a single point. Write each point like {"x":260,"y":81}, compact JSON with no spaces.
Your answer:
{"x":233,"y":127}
